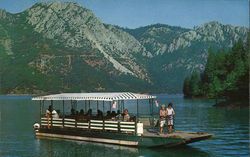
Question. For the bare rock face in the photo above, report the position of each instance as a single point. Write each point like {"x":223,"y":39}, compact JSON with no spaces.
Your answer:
{"x":77,"y":27}
{"x":210,"y":32}
{"x":180,"y":38}
{"x":5,"y":15}
{"x":64,"y":44}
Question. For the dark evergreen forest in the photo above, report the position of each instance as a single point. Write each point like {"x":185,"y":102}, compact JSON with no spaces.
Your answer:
{"x":226,"y":75}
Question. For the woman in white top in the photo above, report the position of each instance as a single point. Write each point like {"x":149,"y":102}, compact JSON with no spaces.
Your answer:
{"x":55,"y":114}
{"x":170,"y":114}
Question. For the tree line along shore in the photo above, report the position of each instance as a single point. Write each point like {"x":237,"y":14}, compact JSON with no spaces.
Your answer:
{"x":226,"y":76}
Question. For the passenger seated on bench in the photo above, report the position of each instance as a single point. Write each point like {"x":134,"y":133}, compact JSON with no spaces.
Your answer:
{"x":77,"y":113}
{"x":118,"y":115}
{"x":99,"y":114}
{"x":126,"y":116}
{"x":89,"y":113}
{"x":48,"y":111}
{"x":73,"y":111}
{"x":118,"y":112}
{"x":81,"y":112}
{"x":58,"y":112}
{"x":55,"y":114}
{"x":113,"y":114}
{"x":108,"y":116}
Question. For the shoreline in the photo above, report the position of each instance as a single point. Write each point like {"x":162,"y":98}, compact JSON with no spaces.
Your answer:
{"x":232,"y":104}
{"x":88,"y":92}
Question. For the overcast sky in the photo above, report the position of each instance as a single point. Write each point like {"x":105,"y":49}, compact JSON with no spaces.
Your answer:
{"x":136,"y":13}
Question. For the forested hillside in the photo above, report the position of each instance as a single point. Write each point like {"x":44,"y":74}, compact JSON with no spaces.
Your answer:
{"x":226,"y":75}
{"x":56,"y":47}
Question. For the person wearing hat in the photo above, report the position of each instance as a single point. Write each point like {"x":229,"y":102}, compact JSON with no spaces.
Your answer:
{"x":163,"y":114}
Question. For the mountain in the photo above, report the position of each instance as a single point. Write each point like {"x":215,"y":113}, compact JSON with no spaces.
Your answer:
{"x":57,"y":47}
{"x":178,"y":51}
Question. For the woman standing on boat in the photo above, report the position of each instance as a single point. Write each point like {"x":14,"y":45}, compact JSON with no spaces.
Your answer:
{"x":163,"y":114}
{"x":170,"y":114}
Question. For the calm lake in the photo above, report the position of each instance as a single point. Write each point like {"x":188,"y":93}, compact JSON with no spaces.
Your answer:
{"x":231,"y":129}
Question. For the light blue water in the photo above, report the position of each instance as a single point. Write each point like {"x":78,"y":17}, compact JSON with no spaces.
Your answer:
{"x":231,"y":129}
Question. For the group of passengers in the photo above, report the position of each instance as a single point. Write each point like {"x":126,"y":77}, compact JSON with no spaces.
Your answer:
{"x":53,"y":113}
{"x":109,"y":115}
{"x":166,"y":115}
{"x":88,"y":115}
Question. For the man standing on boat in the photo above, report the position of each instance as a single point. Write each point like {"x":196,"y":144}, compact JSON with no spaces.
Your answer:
{"x":163,"y":114}
{"x":170,"y":114}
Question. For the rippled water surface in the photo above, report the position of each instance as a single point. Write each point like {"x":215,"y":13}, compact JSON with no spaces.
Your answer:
{"x":231,"y":129}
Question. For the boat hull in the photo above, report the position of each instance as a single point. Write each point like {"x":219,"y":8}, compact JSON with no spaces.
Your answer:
{"x":112,"y":137}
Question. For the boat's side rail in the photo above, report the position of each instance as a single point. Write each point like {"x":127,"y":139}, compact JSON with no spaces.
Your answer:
{"x":104,"y":125}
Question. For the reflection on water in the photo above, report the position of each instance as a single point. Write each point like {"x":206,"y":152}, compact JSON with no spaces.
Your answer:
{"x":58,"y":147}
{"x":230,"y":127}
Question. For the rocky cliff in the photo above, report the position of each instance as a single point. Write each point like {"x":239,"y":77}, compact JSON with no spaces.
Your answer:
{"x":62,"y":47}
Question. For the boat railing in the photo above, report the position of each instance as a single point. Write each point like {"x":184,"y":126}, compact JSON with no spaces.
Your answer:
{"x":103,"y":125}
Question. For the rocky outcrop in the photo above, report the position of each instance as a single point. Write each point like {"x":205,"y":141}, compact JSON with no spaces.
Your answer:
{"x":61,"y":46}
{"x":76,"y":27}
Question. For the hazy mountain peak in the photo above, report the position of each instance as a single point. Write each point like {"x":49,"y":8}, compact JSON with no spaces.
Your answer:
{"x":75,"y":27}
{"x":5,"y":15}
{"x":213,"y":23}
{"x":56,"y":4}
{"x":70,"y":46}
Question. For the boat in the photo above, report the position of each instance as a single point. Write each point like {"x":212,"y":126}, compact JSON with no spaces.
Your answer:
{"x":138,"y":131}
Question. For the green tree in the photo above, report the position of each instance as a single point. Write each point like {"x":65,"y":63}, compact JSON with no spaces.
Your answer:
{"x":226,"y":75}
{"x":236,"y":81}
{"x":186,"y":87}
{"x":195,"y":89}
{"x":210,"y":66}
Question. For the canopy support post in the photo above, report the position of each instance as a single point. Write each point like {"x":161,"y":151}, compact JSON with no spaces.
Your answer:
{"x":97,"y":104}
{"x":103,"y":106}
{"x":51,"y":119}
{"x":137,"y":105}
{"x":63,"y":113}
{"x":152,"y":104}
{"x":40,"y":104}
{"x":85,"y":105}
{"x":122,"y":105}
{"x":89,"y":104}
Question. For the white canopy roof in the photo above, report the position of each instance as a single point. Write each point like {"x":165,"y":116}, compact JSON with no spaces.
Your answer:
{"x":95,"y":96}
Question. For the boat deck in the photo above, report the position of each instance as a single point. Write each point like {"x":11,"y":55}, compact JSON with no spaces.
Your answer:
{"x":187,"y":136}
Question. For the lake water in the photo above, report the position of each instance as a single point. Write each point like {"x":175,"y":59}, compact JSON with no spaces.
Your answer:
{"x":231,"y":129}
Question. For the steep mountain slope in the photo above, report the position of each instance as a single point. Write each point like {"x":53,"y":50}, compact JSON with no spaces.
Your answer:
{"x":62,"y":47}
{"x":178,"y":51}
{"x":77,"y":27}
{"x":45,"y":50}
{"x":157,"y":37}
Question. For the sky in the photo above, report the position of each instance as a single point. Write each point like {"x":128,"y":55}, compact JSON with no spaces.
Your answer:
{"x":136,"y":13}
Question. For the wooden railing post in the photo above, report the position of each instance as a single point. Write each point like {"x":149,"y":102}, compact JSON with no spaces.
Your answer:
{"x":119,"y":127}
{"x":76,"y":121}
{"x":89,"y":124}
{"x":103,"y":125}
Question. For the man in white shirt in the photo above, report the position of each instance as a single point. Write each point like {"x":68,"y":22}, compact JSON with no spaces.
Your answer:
{"x":170,"y":114}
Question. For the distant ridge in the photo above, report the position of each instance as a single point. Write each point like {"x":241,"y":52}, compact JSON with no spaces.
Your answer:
{"x":63,"y":47}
